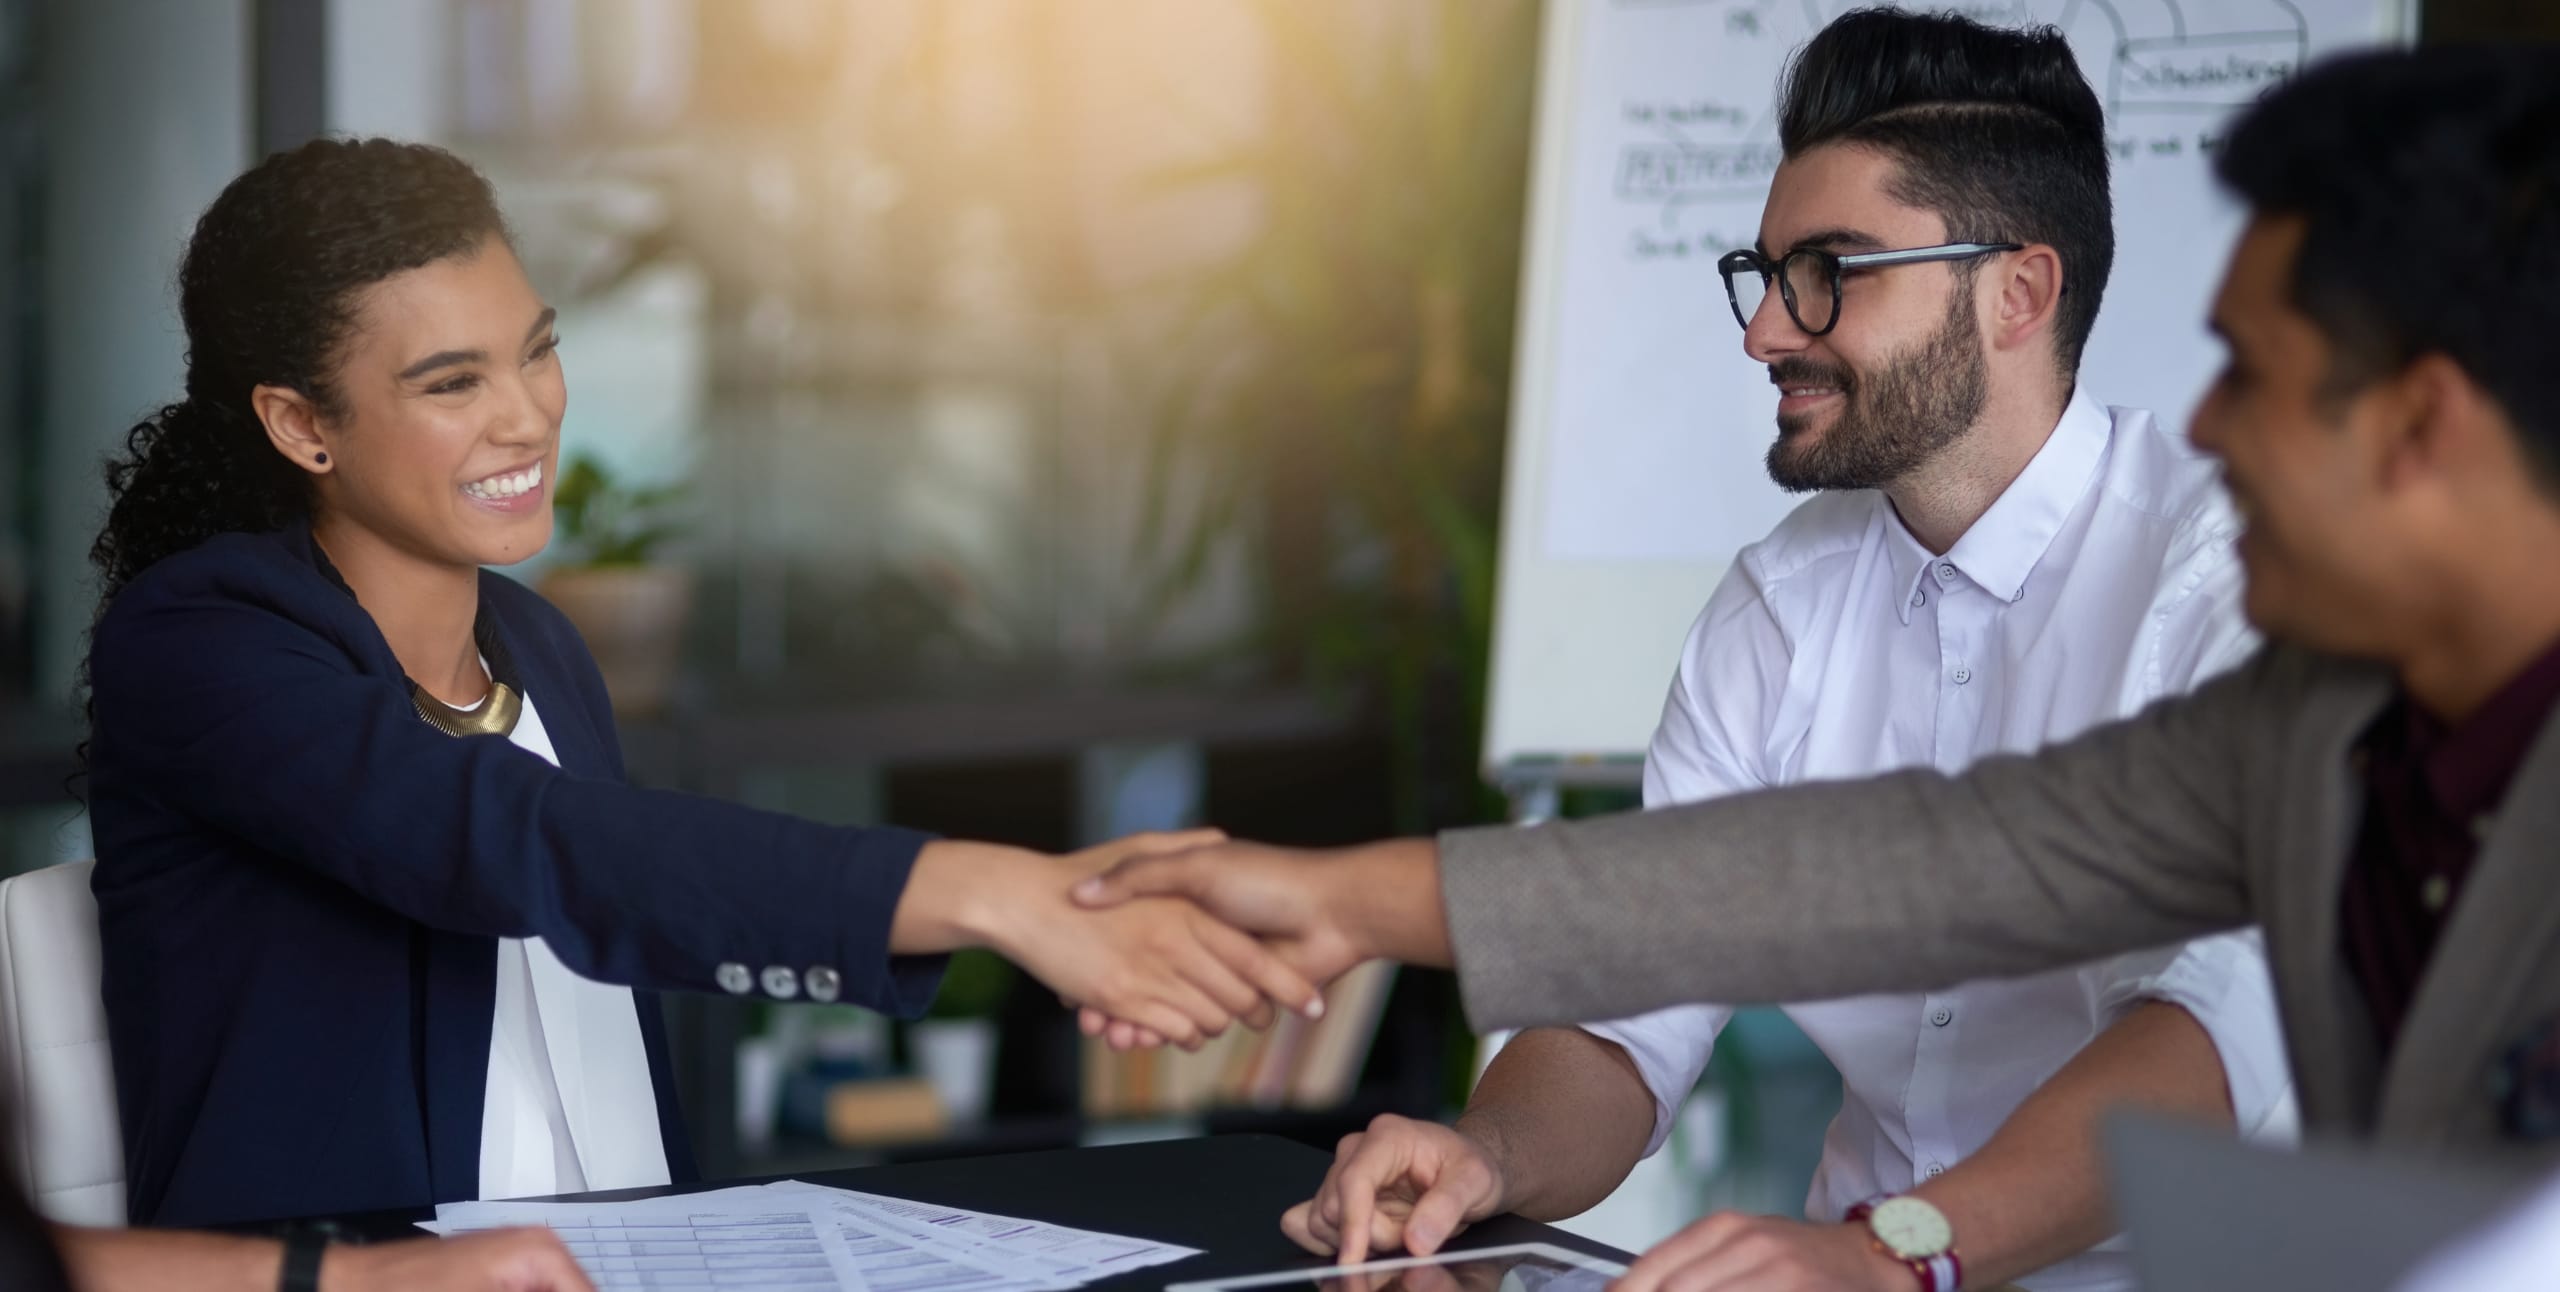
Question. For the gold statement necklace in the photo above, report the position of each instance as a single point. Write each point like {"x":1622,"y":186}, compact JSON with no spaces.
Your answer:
{"x":495,"y":716}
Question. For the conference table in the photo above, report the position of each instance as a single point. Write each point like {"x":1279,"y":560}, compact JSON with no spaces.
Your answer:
{"x":1221,"y":1194}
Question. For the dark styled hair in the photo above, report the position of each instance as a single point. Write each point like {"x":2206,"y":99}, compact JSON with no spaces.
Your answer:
{"x":268,"y":293}
{"x":2428,"y":184}
{"x":1995,"y":130}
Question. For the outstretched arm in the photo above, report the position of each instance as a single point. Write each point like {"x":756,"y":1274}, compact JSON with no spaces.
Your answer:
{"x":2127,"y":837}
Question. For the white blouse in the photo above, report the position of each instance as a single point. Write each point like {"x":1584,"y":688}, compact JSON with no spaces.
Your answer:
{"x":570,"y":1105}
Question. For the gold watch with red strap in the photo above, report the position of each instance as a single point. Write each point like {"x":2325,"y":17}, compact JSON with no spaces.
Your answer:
{"x":1911,"y":1231}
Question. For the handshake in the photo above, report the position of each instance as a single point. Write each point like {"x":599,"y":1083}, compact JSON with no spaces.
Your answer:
{"x":1172,"y":938}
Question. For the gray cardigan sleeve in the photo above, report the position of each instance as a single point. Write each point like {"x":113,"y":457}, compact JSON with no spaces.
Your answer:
{"x":2129,"y":836}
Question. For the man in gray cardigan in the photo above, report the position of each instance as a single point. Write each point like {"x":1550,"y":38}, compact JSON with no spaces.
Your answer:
{"x":2378,"y":789}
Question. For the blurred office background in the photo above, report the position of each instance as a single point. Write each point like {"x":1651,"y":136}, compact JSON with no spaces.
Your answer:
{"x":1027,"y":419}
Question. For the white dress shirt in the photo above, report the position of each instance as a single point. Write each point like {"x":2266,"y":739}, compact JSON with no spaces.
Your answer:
{"x":570,"y":1104}
{"x":2102,"y":579}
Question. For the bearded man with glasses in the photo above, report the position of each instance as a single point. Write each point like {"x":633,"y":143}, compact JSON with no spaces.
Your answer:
{"x":1994,"y":560}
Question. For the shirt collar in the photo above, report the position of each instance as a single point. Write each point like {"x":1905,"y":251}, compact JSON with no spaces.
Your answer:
{"x":1910,"y":560}
{"x":2469,"y":765}
{"x":2004,"y":545}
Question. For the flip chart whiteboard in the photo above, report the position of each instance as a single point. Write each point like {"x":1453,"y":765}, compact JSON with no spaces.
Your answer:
{"x":1638,"y":425}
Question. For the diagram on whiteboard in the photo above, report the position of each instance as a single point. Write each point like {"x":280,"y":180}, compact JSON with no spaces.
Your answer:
{"x":2150,"y":62}
{"x":2155,"y":57}
{"x":1658,"y":422}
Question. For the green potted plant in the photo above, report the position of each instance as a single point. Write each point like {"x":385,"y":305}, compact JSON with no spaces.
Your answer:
{"x":954,"y":1047}
{"x":1342,"y":378}
{"x":614,"y":583}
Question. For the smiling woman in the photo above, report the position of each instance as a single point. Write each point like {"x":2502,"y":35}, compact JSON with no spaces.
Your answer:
{"x":374,"y":897}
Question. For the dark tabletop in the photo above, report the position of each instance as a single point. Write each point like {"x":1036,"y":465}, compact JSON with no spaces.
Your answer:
{"x":1223,"y":1195}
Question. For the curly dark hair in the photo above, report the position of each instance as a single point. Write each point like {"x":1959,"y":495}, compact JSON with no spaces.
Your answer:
{"x":268,"y":293}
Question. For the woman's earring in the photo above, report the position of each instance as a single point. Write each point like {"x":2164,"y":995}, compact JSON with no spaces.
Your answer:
{"x":320,"y":458}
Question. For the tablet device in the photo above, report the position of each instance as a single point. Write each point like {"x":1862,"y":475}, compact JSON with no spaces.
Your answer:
{"x":1520,"y":1267}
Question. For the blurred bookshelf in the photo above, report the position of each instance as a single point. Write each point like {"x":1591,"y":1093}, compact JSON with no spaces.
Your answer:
{"x":1296,"y":1064}
{"x":1383,"y":1048}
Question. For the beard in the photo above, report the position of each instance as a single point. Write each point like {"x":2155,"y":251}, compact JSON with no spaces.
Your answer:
{"x":1891,"y":424}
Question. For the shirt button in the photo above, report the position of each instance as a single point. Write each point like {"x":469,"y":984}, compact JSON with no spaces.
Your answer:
{"x":823,"y":983}
{"x":1942,"y":1016}
{"x":734,"y":978}
{"x":1919,"y":596}
{"x":1962,"y":675}
{"x":1946,"y":572}
{"x":2481,"y":825}
{"x":1936,"y":1170}
{"x":780,"y":983}
{"x":2435,"y":892}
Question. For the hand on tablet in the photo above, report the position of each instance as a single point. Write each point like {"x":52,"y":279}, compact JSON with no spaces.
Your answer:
{"x":1766,"y":1254}
{"x":1472,"y":1276}
{"x":1400,"y":1183}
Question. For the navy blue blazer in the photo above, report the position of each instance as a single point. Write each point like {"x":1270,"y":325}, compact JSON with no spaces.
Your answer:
{"x":301,"y":886}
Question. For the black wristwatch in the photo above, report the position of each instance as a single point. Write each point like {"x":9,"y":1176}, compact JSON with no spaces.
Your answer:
{"x":303,"y":1249}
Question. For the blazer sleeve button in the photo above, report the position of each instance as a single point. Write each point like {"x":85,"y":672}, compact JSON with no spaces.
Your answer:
{"x":780,"y":983}
{"x":824,"y":984}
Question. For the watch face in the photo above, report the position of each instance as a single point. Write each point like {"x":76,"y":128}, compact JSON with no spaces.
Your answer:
{"x":1910,"y":1228}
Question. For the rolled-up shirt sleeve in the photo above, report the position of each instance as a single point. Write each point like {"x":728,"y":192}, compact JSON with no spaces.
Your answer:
{"x":2223,"y":983}
{"x":1732,"y":671}
{"x":1670,"y":1048}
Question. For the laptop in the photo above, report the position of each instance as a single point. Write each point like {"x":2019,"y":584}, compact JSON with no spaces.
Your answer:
{"x":2209,"y":1213}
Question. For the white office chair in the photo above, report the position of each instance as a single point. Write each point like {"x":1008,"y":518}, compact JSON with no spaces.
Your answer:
{"x":56,"y":1087}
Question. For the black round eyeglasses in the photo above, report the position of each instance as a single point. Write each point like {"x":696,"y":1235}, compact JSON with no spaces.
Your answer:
{"x":1808,"y":279}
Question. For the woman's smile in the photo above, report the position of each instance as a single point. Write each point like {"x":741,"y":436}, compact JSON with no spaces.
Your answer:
{"x":512,"y":491}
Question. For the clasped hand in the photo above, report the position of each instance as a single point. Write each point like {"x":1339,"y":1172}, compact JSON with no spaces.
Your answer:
{"x":1150,"y":955}
{"x":1282,"y":899}
{"x":1173,"y":937}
